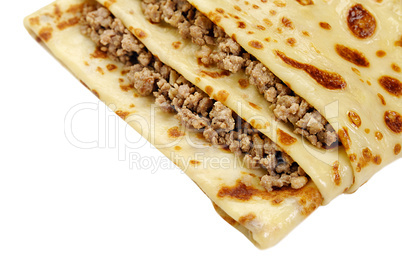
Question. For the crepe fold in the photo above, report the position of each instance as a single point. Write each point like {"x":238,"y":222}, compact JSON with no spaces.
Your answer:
{"x":264,"y":217}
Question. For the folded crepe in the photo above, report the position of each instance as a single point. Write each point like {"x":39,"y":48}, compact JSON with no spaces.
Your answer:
{"x":275,"y":139}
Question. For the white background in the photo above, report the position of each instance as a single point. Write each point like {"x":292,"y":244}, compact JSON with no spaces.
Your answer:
{"x":63,"y":206}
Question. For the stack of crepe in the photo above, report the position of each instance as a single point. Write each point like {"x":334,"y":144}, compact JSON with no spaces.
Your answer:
{"x":327,"y":120}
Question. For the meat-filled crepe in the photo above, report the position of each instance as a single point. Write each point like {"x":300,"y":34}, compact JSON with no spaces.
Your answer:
{"x":349,"y":52}
{"x":277,"y":148}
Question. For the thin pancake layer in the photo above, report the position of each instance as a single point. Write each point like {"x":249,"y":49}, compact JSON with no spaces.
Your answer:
{"x":268,"y":216}
{"x":348,"y":57}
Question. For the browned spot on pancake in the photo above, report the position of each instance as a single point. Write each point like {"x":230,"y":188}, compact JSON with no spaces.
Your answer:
{"x":111,"y":67}
{"x":57,"y":11}
{"x":209,"y":90}
{"x":367,"y":130}
{"x":392,"y":85}
{"x":359,"y":167}
{"x":382,"y":99}
{"x":343,"y":134}
{"x":377,"y":160}
{"x":123,"y":115}
{"x":176,"y":45}
{"x":353,"y":157}
{"x":250,"y":32}
{"x":241,"y":192}
{"x":398,"y":43}
{"x":140,"y":33}
{"x":34,"y":21}
{"x":393,"y":120}
{"x":277,"y":201}
{"x":124,"y":72}
{"x":305,"y":33}
{"x":100,"y":70}
{"x":325,"y":25}
{"x":379,"y":136}
{"x":95,"y":93}
{"x":99,"y":54}
{"x":109,"y":3}
{"x":361,"y":22}
{"x":308,"y":197}
{"x":272,"y":12}
{"x":244,"y":83}
{"x":268,"y":39}
{"x":367,"y":157}
{"x":256,"y":44}
{"x":177,"y":148}
{"x":397,"y":149}
{"x":85,"y":85}
{"x":86,"y":63}
{"x":197,"y":80}
{"x":126,"y":88}
{"x":268,"y":22}
{"x":396,"y":67}
{"x":305,"y":2}
{"x":256,"y":6}
{"x":68,"y":23}
{"x":215,"y":74}
{"x":367,"y":154}
{"x":287,"y":23}
{"x":291,"y":41}
{"x":46,"y":33}
{"x":260,"y":27}
{"x":195,"y":162}
{"x":241,"y":25}
{"x":220,"y":10}
{"x":255,"y":106}
{"x":381,"y":53}
{"x":354,"y":118}
{"x":337,"y":176}
{"x":356,"y":71}
{"x":352,"y":55}
{"x":132,"y":105}
{"x":237,"y":8}
{"x":329,"y":80}
{"x":215,"y":18}
{"x":284,"y":138}
{"x":243,"y":220}
{"x":174,"y":132}
{"x":222,"y":95}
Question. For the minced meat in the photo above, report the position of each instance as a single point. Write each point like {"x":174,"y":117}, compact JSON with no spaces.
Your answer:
{"x":218,"y":49}
{"x":194,"y":108}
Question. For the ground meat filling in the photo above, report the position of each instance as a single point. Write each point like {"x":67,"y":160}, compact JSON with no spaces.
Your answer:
{"x":194,"y":108}
{"x":218,"y":49}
